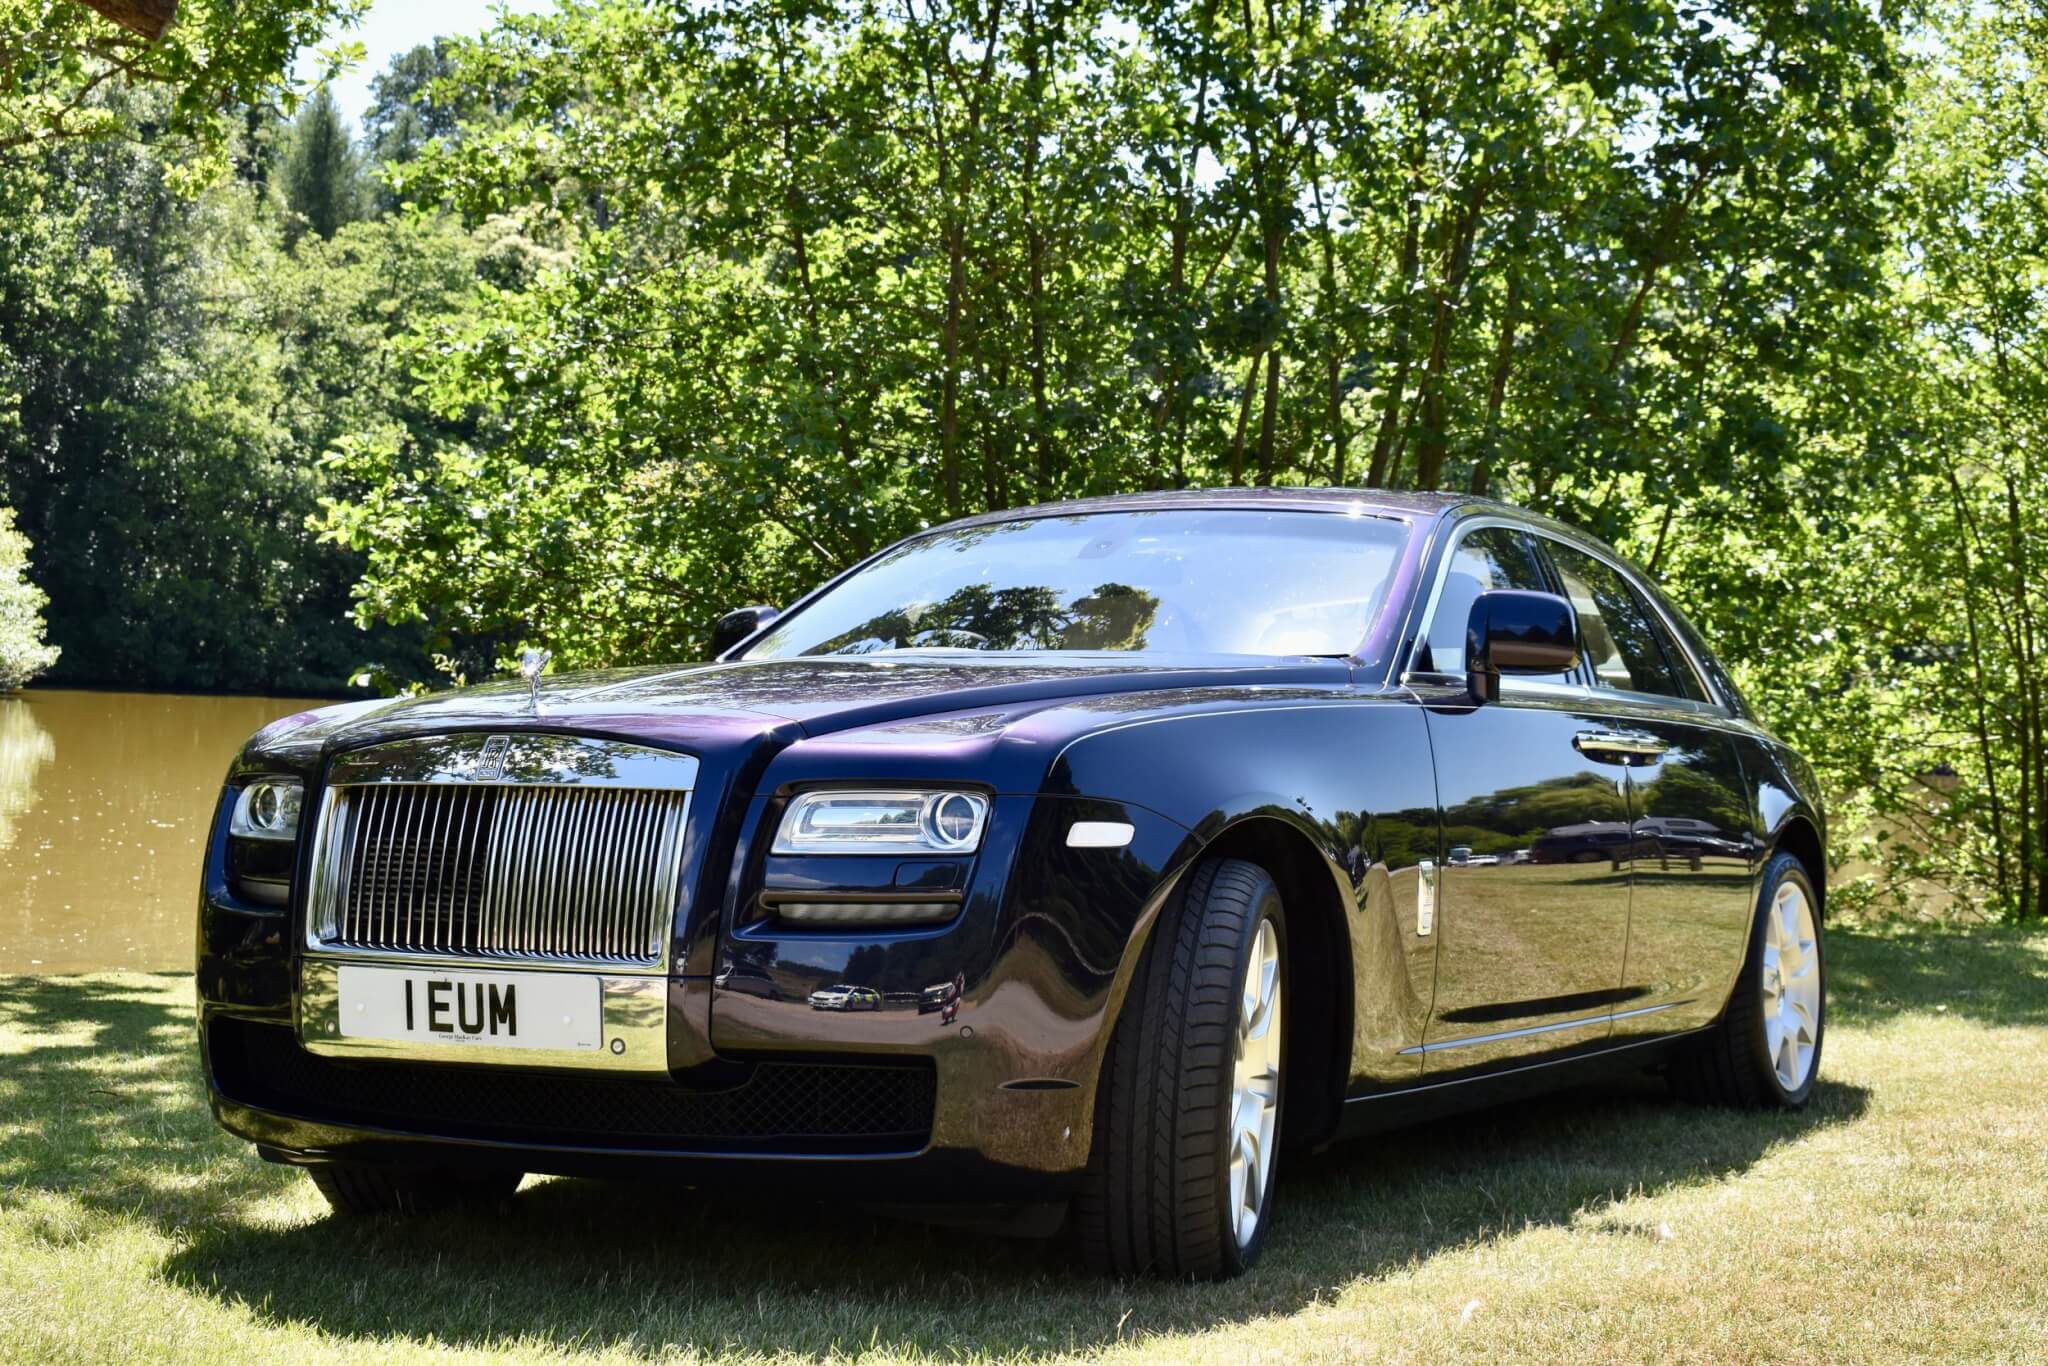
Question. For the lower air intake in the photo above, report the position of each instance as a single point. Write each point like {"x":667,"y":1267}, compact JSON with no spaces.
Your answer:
{"x":780,"y":1108}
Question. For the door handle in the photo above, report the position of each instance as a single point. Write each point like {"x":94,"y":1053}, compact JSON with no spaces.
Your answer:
{"x":1618,"y":747}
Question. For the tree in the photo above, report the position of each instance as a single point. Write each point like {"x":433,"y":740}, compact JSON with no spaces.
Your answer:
{"x":59,"y":62}
{"x":23,"y":654}
{"x":320,"y":177}
{"x":404,"y":113}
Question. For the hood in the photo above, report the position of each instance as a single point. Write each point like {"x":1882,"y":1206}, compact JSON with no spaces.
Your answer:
{"x":718,"y":704}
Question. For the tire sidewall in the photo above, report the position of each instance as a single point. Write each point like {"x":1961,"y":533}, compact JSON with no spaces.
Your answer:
{"x":1269,"y":909}
{"x":1782,"y":869}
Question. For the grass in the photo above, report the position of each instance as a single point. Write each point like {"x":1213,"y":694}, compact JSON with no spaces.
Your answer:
{"x":1904,"y":1215}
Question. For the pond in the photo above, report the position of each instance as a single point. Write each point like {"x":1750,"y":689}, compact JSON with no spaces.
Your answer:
{"x":105,"y":801}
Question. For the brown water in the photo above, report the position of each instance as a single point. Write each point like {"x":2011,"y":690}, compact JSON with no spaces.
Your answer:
{"x":105,"y":801}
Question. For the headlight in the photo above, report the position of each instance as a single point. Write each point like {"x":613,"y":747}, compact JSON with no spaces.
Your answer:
{"x":883,"y":823}
{"x":268,"y":810}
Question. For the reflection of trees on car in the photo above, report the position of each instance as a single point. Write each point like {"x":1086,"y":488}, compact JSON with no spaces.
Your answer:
{"x":1513,"y":818}
{"x":1684,"y":788}
{"x":1113,"y":616}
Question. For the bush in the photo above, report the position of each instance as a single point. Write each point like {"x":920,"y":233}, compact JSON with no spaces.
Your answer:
{"x":23,"y":654}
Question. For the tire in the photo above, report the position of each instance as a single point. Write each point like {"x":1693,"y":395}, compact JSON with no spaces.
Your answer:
{"x":362,"y":1188}
{"x":1162,"y":1194}
{"x":1743,"y":1059}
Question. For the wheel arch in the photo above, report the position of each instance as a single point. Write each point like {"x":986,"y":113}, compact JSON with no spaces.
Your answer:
{"x":1318,"y":903}
{"x":1800,"y":837}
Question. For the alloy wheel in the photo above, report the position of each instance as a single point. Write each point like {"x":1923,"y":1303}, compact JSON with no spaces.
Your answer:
{"x":1255,"y":1085}
{"x":1791,"y":986}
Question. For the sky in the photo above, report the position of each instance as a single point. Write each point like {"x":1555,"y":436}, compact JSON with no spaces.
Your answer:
{"x":395,"y":26}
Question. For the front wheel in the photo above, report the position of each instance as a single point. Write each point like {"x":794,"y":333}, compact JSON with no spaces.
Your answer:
{"x":1188,"y":1118}
{"x":1765,"y":1049}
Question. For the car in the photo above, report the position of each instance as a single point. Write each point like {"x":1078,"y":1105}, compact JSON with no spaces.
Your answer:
{"x":1608,"y":841}
{"x":1164,"y":788}
{"x":845,"y":997}
{"x":741,"y":978}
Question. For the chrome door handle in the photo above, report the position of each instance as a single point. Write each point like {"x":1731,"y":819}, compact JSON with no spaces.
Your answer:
{"x":1618,"y":746}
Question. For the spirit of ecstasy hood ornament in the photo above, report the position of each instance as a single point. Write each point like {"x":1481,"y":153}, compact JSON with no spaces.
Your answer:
{"x":531,"y":665}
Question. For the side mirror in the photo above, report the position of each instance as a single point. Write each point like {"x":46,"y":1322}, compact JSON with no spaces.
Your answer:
{"x":1513,"y":632}
{"x":736,"y":626}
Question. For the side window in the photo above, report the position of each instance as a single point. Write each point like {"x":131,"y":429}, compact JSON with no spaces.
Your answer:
{"x":1620,"y":639}
{"x":1491,"y":557}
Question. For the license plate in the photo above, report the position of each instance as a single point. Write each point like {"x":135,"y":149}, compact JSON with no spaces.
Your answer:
{"x":560,"y":1011}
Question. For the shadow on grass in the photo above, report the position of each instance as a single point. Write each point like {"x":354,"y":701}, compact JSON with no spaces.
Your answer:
{"x":1993,"y":974}
{"x":110,"y":1127}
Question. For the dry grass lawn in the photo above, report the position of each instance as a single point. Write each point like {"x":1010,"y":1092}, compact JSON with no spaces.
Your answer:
{"x":1905,"y":1215}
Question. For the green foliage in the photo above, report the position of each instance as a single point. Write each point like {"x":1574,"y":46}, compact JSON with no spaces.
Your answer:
{"x":629,"y":312}
{"x":171,"y":373}
{"x":23,"y":654}
{"x":404,"y":114}
{"x":60,"y":63}
{"x":319,"y":175}
{"x":831,"y":274}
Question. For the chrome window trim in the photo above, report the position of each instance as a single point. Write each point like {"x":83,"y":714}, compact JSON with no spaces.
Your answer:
{"x":1410,"y":626}
{"x":1715,"y":706}
{"x":475,"y":759}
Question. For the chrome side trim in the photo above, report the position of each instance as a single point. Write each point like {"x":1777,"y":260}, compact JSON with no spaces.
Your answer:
{"x":1540,"y":1029}
{"x":1425,"y":898}
{"x":1649,"y":1010}
{"x":635,"y":1022}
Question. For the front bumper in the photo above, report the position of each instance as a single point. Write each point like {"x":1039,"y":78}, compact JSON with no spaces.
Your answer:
{"x":989,"y":1097}
{"x":785,"y":1123}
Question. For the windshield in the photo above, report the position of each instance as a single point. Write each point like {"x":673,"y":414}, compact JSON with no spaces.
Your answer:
{"x":1209,"y":581}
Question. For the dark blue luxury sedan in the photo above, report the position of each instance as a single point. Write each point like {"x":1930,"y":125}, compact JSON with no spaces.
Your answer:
{"x":1073,"y":864}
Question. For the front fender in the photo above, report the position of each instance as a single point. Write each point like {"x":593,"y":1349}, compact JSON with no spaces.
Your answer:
{"x":1337,"y":796}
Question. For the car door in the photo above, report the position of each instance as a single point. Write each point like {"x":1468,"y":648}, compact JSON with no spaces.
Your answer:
{"x":1532,"y":904}
{"x":1692,"y":844}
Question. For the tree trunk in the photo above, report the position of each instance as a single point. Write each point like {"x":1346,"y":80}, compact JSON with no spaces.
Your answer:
{"x":949,"y":350}
{"x":1390,"y":415}
{"x":1966,"y":528}
{"x":1431,"y":448}
{"x":1181,"y":237}
{"x":2033,"y":763}
{"x":1497,"y":385}
{"x":1041,"y":412}
{"x":953,"y":233}
{"x":1269,"y":415}
{"x":1244,"y":412}
{"x":1333,"y":361}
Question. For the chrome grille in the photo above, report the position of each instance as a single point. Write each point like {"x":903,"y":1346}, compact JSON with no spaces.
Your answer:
{"x":583,"y":873}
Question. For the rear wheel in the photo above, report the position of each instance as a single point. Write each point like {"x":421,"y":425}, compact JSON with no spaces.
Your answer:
{"x":1765,"y":1050}
{"x":363,"y":1188}
{"x":1188,"y":1118}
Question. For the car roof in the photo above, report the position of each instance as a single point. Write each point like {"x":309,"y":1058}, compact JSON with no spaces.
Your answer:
{"x":1389,"y":501}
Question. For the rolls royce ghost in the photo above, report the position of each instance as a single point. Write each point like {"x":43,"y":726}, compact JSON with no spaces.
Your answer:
{"x":1080,"y":862}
